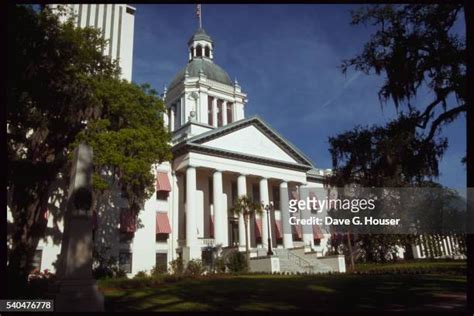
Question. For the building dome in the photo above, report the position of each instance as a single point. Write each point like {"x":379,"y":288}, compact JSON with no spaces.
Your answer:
{"x":209,"y":68}
{"x":200,"y":35}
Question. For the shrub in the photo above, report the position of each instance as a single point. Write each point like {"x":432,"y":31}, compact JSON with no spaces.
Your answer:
{"x":194,"y":268}
{"x":177,"y":266}
{"x":219,"y":265}
{"x":158,"y":271}
{"x":237,"y":262}
{"x":140,"y":274}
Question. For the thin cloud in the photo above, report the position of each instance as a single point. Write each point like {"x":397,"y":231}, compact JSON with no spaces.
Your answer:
{"x":346,"y":84}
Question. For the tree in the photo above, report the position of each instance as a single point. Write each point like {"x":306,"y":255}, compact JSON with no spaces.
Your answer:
{"x":245,"y":206}
{"x":395,"y":155}
{"x":62,"y":90}
{"x":415,"y":46}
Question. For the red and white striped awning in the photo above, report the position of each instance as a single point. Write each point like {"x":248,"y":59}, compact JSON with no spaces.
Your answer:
{"x":258,"y":227}
{"x":162,"y":182}
{"x":128,"y":221}
{"x":162,"y":223}
{"x":317,"y":233}
{"x":278,"y":230}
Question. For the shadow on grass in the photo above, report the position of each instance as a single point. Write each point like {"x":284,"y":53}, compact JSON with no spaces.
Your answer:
{"x":319,"y":293}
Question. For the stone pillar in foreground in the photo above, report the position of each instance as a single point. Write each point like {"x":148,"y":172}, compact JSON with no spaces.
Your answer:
{"x":77,"y":289}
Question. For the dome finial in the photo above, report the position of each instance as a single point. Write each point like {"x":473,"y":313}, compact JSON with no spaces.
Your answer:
{"x":199,"y":14}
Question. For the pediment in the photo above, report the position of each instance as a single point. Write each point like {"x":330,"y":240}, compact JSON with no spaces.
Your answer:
{"x":253,"y":138}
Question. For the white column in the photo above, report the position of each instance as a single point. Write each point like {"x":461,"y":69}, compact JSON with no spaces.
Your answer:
{"x":191,"y":231}
{"x":214,"y":112}
{"x":242,"y":191}
{"x":265,"y":200}
{"x":219,"y":218}
{"x":285,"y":216}
{"x":172,"y":109}
{"x":306,"y":213}
{"x":224,"y":113}
{"x":174,"y":214}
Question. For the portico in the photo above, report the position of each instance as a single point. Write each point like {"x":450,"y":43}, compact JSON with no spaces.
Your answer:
{"x":215,"y":177}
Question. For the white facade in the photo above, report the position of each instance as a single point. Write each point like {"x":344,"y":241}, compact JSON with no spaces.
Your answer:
{"x":116,"y":22}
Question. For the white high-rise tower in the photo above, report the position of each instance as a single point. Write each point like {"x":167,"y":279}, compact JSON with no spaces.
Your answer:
{"x":116,"y":22}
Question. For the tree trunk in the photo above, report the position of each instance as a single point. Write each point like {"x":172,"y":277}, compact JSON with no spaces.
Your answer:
{"x":247,"y":249}
{"x":28,"y":208}
{"x":350,"y":250}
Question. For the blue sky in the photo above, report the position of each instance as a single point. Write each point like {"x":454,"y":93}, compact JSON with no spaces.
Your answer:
{"x":286,"y":58}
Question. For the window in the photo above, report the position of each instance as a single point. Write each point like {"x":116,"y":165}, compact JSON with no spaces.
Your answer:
{"x":209,"y":111}
{"x":161,"y":261}
{"x":37,"y":259}
{"x":234,"y":192}
{"x":255,"y":193}
{"x":162,"y":195}
{"x":207,"y":51}
{"x":177,"y":117}
{"x":276,"y":197}
{"x":126,"y":237}
{"x":125,"y":261}
{"x":211,"y":190}
{"x":219,"y":113}
{"x":199,"y":51}
{"x":130,"y":11}
{"x":170,"y":128}
{"x":230,"y":118}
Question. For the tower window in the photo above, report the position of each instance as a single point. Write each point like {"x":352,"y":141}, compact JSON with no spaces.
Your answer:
{"x":207,"y":51}
{"x":219,"y":113}
{"x":199,"y":51}
{"x":209,"y":111}
{"x":230,"y":118}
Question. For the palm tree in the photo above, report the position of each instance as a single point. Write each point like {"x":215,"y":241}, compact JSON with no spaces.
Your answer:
{"x":245,"y":206}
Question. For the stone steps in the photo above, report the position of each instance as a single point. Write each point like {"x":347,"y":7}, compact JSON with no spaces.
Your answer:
{"x":294,"y":263}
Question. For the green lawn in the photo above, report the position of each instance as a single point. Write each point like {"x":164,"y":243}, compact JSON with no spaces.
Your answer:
{"x":334,"y":292}
{"x":432,"y":266}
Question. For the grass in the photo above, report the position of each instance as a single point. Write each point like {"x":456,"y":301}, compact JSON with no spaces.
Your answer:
{"x":446,"y":266}
{"x":335,"y":292}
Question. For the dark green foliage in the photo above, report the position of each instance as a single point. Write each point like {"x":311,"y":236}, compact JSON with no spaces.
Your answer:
{"x":194,"y":268}
{"x":219,"y":264}
{"x":246,"y":207}
{"x":127,"y":138}
{"x":415,"y":46}
{"x":140,"y":275}
{"x":237,"y":262}
{"x":177,"y":266}
{"x":104,"y":266}
{"x":159,"y":270}
{"x":62,"y":90}
{"x":391,"y":155}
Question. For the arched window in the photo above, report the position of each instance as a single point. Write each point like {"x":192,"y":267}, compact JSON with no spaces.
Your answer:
{"x":199,"y":51}
{"x":207,"y":51}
